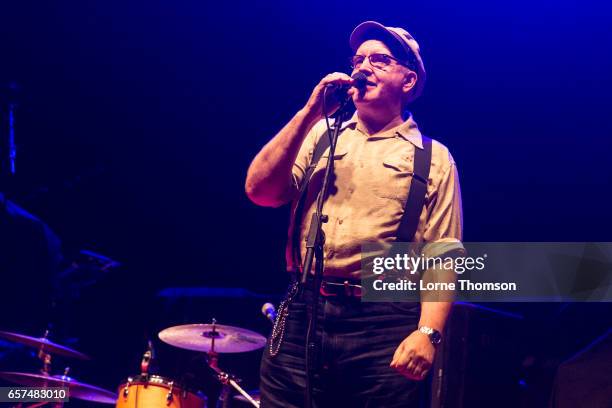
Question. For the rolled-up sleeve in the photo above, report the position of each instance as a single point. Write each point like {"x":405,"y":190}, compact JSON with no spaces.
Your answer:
{"x":444,"y":229}
{"x":302,"y":161}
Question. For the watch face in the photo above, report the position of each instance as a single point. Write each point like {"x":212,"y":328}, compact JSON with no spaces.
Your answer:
{"x":435,"y":337}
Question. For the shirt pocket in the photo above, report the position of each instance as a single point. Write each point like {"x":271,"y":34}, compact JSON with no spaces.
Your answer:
{"x":339,"y":154}
{"x":393,"y":178}
{"x":319,"y":172}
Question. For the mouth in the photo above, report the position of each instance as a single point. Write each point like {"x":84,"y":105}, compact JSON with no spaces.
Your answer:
{"x":368,"y":86}
{"x":361,"y":92}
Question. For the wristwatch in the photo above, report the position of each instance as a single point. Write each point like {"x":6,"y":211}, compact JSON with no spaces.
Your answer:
{"x":434,"y":336}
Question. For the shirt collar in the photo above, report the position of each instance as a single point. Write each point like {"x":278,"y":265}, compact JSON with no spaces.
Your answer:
{"x":408,"y":130}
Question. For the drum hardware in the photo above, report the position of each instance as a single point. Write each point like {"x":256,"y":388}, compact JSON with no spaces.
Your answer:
{"x":76,"y":389}
{"x":204,"y":337}
{"x":213,"y":339}
{"x":255,"y":394}
{"x":147,"y":359}
{"x":46,"y":349}
{"x":213,"y":357}
{"x":44,"y":345}
{"x":144,"y":364}
{"x":46,"y":360}
{"x":227,"y":381}
{"x":169,"y":396}
{"x":144,"y":370}
{"x":43,"y":356}
{"x":41,"y":404}
{"x":153,"y":391}
{"x":126,"y":389}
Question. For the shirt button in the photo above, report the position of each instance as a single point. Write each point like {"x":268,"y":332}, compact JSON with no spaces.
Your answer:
{"x":340,"y":221}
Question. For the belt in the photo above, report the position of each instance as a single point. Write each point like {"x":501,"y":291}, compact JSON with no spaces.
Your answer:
{"x":340,"y":288}
{"x":335,"y":286}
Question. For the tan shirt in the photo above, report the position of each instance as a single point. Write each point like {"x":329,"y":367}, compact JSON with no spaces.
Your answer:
{"x":367,"y":199}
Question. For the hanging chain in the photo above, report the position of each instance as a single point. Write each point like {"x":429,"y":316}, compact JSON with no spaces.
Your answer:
{"x":278,"y":331}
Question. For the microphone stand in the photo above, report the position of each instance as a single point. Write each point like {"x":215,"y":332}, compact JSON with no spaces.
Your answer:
{"x":314,"y":249}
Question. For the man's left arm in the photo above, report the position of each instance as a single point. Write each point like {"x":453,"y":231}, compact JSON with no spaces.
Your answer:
{"x":415,"y":354}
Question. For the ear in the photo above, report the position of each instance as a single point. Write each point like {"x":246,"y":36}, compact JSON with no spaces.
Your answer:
{"x":410,"y":80}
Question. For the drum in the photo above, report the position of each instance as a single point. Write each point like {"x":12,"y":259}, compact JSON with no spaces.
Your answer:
{"x":153,"y":391}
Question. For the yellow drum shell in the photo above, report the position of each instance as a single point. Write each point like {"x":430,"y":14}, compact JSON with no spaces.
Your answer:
{"x":157,"y":392}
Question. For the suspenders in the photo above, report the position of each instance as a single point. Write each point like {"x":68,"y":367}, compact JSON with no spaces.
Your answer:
{"x":416,"y":195}
{"x":296,"y":217}
{"x":414,"y":203}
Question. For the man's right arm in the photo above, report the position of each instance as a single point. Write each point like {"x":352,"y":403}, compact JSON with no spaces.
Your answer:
{"x":269,"y":178}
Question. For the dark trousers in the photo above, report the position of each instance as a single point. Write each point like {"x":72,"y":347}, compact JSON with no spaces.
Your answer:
{"x":356,"y":341}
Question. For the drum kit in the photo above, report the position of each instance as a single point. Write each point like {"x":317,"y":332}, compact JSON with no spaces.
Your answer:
{"x":146,"y":390}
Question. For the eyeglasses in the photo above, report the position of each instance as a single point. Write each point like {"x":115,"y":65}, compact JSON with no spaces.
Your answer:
{"x":379,"y":61}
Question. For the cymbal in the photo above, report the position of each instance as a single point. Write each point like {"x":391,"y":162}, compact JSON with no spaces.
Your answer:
{"x":76,"y":389}
{"x":198,"y":337}
{"x":48,"y":346}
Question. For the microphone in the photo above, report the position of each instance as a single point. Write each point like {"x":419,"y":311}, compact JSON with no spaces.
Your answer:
{"x":269,"y":311}
{"x":360,"y":82}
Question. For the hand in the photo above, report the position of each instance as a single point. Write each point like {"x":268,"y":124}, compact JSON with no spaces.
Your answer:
{"x":314,"y":106}
{"x":414,"y":356}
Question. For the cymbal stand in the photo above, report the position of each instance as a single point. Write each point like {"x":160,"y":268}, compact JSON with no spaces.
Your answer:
{"x":45,"y":370}
{"x":45,"y":357}
{"x":227,"y":380}
{"x":213,"y":356}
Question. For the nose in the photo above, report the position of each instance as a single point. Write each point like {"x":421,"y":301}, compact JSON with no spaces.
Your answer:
{"x":366,"y":70}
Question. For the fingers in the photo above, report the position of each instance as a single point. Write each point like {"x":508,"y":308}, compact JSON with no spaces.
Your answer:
{"x":413,"y":357}
{"x":402,"y":357}
{"x":336,"y":78}
{"x":416,"y":369}
{"x":409,"y":364}
{"x":421,"y":369}
{"x":398,"y":352}
{"x":315,"y":102}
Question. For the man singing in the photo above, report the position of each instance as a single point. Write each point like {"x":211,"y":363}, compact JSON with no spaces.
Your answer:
{"x":369,"y":354}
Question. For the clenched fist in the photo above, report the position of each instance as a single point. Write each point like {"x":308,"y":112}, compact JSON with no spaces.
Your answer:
{"x":414,"y":356}
{"x":315,"y":103}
